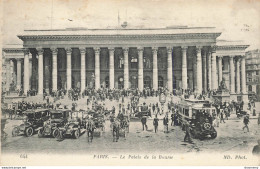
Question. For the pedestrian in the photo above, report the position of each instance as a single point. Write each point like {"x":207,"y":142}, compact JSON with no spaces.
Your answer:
{"x":172,"y":118}
{"x":187,"y":137}
{"x":246,"y":121}
{"x":256,"y":149}
{"x":155,"y":123}
{"x":144,"y":120}
{"x":165,"y":123}
{"x":222,"y":116}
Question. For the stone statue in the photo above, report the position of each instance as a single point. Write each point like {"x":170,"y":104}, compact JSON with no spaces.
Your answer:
{"x":222,"y":86}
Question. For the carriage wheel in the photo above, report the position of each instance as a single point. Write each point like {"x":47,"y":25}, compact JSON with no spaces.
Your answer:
{"x":55,"y":133}
{"x":76,"y":134}
{"x":29,"y":132}
{"x":15,"y":131}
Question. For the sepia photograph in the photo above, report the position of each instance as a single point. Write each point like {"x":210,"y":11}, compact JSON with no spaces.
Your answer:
{"x":130,"y":82}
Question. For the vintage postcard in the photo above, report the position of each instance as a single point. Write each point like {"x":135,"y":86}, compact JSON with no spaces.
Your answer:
{"x":130,"y":82}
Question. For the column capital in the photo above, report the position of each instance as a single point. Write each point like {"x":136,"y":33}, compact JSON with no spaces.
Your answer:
{"x":125,"y":49}
{"x":231,"y":57}
{"x":140,"y":50}
{"x":184,"y":48}
{"x":213,"y":48}
{"x":169,"y":49}
{"x":154,"y":49}
{"x":111,"y":49}
{"x":97,"y":50}
{"x":40,"y":51}
{"x":82,"y":50}
{"x":198,"y":49}
{"x":68,"y":50}
{"x":26,"y":51}
{"x":54,"y":50}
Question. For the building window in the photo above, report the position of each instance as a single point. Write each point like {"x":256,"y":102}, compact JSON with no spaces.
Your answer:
{"x":107,"y":82}
{"x":147,"y":82}
{"x":160,"y":81}
{"x":134,"y":63}
{"x":250,"y":88}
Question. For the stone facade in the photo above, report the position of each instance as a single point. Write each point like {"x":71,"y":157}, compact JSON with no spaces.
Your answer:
{"x":175,"y":58}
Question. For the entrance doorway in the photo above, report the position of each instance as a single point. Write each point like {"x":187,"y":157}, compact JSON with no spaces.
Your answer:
{"x":147,"y":82}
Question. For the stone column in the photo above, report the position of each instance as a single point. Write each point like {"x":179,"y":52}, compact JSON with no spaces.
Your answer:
{"x":69,"y":52}
{"x":204,"y":66}
{"x":111,"y":68}
{"x":40,"y":71}
{"x":184,"y":67}
{"x":238,"y":75}
{"x":19,"y":74}
{"x":214,"y":82}
{"x":243,"y":75}
{"x":97,"y":68}
{"x":232,"y":75}
{"x":209,"y":69}
{"x":54,"y":69}
{"x":140,"y":69}
{"x":26,"y":73}
{"x":82,"y":69}
{"x":169,"y":69}
{"x":155,"y":68}
{"x":199,"y":70}
{"x":8,"y":74}
{"x":219,"y":70}
{"x":126,"y":68}
{"x":30,"y":71}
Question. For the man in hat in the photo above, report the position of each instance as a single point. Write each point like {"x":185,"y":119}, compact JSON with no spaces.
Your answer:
{"x":187,"y":137}
{"x":246,"y":121}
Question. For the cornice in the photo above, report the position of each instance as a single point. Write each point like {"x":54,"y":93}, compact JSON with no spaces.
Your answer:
{"x":80,"y":37}
{"x":13,"y":50}
{"x":229,"y":47}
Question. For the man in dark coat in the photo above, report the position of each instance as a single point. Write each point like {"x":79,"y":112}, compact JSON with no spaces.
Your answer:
{"x":144,"y":120}
{"x":155,"y":123}
{"x":165,"y":123}
{"x":187,"y":137}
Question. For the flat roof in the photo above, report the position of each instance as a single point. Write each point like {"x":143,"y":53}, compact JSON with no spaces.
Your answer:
{"x":122,"y":31}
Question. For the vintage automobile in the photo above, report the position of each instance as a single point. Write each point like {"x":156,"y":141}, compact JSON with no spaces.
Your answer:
{"x":33,"y":120}
{"x":58,"y":118}
{"x":142,"y":110}
{"x":199,"y":114}
{"x":73,"y":128}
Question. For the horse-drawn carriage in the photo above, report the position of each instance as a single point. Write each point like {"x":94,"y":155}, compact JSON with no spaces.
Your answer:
{"x":142,"y":110}
{"x":95,"y":124}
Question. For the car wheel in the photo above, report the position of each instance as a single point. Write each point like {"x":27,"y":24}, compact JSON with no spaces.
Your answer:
{"x":15,"y":131}
{"x":29,"y":132}
{"x":214,"y":135}
{"x":40,"y":133}
{"x":55,"y":133}
{"x":76,"y":134}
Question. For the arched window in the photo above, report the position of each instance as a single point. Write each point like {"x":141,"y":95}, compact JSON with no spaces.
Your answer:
{"x":147,"y":82}
{"x":107,"y":82}
{"x":160,"y":81}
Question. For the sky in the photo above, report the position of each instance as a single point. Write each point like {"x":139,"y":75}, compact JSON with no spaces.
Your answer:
{"x":236,"y":19}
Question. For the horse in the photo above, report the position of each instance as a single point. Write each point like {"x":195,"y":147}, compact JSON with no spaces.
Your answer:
{"x":90,"y":126}
{"x":115,"y":130}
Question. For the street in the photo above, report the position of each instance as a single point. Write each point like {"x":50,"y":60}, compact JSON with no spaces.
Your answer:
{"x":230,"y":138}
